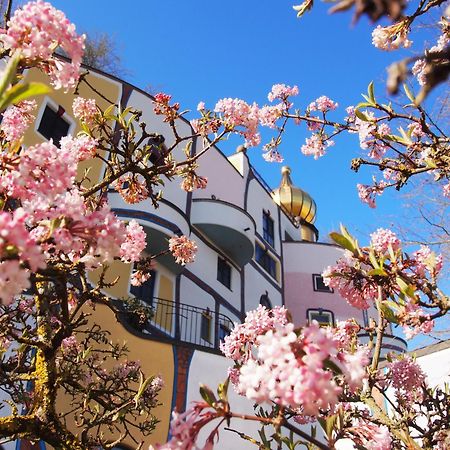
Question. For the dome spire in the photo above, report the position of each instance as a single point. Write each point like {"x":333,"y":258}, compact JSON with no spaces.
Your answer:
{"x":294,"y":200}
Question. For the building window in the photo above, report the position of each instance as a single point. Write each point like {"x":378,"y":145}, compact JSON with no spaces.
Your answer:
{"x":145,"y":291}
{"x":224,"y":272}
{"x":205,"y":326}
{"x":264,"y":300}
{"x":53,"y":125}
{"x":268,"y":233}
{"x":266,"y":261}
{"x":319,"y":285}
{"x":324,"y":317}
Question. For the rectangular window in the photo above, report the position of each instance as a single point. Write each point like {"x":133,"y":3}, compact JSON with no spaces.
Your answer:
{"x":224,"y":272}
{"x":205,"y":326}
{"x":324,"y":318}
{"x":319,"y":285}
{"x":53,"y":125}
{"x":268,"y":228}
{"x":266,"y":261}
{"x":224,"y":331}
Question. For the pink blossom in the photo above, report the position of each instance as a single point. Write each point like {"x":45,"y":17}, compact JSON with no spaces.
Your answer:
{"x":185,"y":427}
{"x":240,"y":117}
{"x":367,"y":193}
{"x":83,"y":146}
{"x":316,"y":145}
{"x":84,"y":109}
{"x":416,"y":130}
{"x":134,"y":244}
{"x":371,"y":436}
{"x":425,"y":260}
{"x":13,"y":280}
{"x":268,"y":115}
{"x":323,"y":104}
{"x":446,"y":190}
{"x":201,"y":106}
{"x":236,"y":345}
{"x":36,"y":30}
{"x":343,"y":277}
{"x":182,"y":249}
{"x":131,"y":188}
{"x":192,"y":182}
{"x":354,"y":367}
{"x":272,"y":155}
{"x":407,"y":378}
{"x":382,"y":239}
{"x":138,"y":277}
{"x":391,"y":37}
{"x":16,"y":120}
{"x":282,"y":92}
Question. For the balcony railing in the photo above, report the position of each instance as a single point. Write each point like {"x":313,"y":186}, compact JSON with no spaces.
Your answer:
{"x":182,"y":323}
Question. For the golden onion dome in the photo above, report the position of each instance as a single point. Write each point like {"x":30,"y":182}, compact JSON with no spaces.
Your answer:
{"x":295,"y":201}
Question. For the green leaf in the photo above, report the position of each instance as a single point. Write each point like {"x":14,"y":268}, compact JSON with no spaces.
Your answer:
{"x":377,"y":272}
{"x":364,"y":105}
{"x":22,"y":91}
{"x":370,"y":91}
{"x":142,"y":388}
{"x":9,"y":72}
{"x":405,"y":288}
{"x":374,"y":260}
{"x":362,"y":116}
{"x":388,"y":314}
{"x":207,"y":395}
{"x":222,"y":390}
{"x":342,"y":241}
{"x":409,"y":93}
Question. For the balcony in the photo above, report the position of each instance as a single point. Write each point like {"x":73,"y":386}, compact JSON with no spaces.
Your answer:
{"x":390,"y":344}
{"x":228,"y":226}
{"x":187,"y":324}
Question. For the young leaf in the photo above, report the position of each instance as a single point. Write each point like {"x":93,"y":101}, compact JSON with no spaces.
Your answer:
{"x":371,"y":93}
{"x":22,"y":91}
{"x":408,"y":93}
{"x":207,"y":395}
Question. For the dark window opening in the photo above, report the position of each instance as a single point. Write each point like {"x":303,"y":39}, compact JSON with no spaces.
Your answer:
{"x":53,"y":125}
{"x":264,"y":300}
{"x":224,"y":272}
{"x":145,"y":291}
{"x":268,"y":228}
{"x":205,"y":326}
{"x":323,"y":317}
{"x":265,"y":261}
{"x":319,"y":284}
{"x":158,"y":151}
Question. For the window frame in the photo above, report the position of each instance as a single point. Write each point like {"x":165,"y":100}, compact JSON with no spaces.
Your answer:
{"x":326,"y":289}
{"x":268,"y":228}
{"x":48,"y":102}
{"x":266,"y":261}
{"x":320,"y":311}
{"x":224,"y":272}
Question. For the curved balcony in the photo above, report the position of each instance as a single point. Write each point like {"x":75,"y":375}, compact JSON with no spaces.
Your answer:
{"x":390,"y":344}
{"x":229,"y":227}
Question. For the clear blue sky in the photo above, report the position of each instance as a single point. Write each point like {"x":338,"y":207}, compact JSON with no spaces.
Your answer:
{"x":206,"y":50}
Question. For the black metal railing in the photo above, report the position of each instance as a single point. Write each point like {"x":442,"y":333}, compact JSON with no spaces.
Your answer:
{"x":181,"y":322}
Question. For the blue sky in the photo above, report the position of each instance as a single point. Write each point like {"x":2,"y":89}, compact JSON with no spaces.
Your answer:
{"x":206,"y":50}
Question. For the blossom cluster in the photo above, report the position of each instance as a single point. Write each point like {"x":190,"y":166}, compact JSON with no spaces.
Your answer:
{"x":37,"y":30}
{"x":16,"y":120}
{"x":182,"y":249}
{"x":274,"y":362}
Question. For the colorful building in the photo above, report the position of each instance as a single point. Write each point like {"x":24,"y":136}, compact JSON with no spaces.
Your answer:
{"x":255,"y":246}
